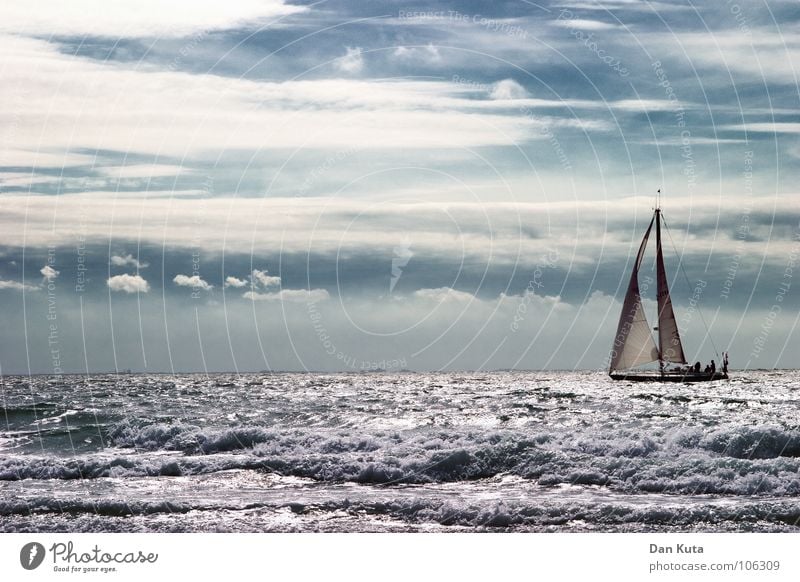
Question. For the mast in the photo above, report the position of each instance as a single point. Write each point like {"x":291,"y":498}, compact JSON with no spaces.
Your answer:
{"x":670,"y":348}
{"x":662,"y":284}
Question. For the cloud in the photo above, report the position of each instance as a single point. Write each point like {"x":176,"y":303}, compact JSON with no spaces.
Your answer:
{"x":745,"y":53}
{"x":49,"y":272}
{"x":478,"y":232}
{"x":42,"y":158}
{"x":30,"y":180}
{"x":127,"y":260}
{"x":443,"y":294}
{"x":162,"y":107}
{"x":767,"y":127}
{"x":678,"y":141}
{"x":145,"y":171}
{"x":194,"y":281}
{"x":144,"y":18}
{"x":17,"y":286}
{"x":585,"y":24}
{"x":290,"y":295}
{"x":426,"y":55}
{"x":128,"y":284}
{"x":352,"y":61}
{"x":647,"y":105}
{"x":263,"y":279}
{"x":508,"y":89}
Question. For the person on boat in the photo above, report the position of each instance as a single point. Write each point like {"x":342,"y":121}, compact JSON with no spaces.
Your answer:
{"x":708,"y":369}
{"x":725,"y":363}
{"x":713,"y":367}
{"x":697,"y":367}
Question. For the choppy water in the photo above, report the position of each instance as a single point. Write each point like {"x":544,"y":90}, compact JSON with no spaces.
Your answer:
{"x":553,"y":451}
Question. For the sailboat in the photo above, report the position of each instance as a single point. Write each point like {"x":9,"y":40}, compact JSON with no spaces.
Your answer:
{"x":634,"y":345}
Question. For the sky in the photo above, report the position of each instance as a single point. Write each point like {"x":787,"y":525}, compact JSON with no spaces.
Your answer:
{"x":268,"y":185}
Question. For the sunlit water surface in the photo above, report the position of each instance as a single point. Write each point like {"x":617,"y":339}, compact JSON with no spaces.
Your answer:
{"x":555,"y":451}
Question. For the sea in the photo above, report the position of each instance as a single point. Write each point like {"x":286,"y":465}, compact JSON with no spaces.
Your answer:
{"x":399,"y":452}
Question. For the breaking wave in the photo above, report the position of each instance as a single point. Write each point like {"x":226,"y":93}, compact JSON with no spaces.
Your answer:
{"x":732,"y":461}
{"x":504,"y":515}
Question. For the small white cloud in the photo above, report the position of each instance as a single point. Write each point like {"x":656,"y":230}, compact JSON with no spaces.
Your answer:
{"x":529,"y":298}
{"x":234,"y":282}
{"x":148,"y":171}
{"x":352,"y":61}
{"x":49,"y":272}
{"x":433,"y":53}
{"x":290,"y":295}
{"x":429,"y":53}
{"x":508,"y":89}
{"x":127,"y":260}
{"x":194,"y":281}
{"x":585,"y":24}
{"x":766,"y":127}
{"x":128,"y":284}
{"x":17,"y":286}
{"x":442,"y":294}
{"x":263,"y":279}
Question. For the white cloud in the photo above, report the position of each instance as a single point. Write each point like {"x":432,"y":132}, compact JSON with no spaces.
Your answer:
{"x":144,"y":171}
{"x":143,"y":18}
{"x":30,"y":180}
{"x":263,"y":279}
{"x":162,"y":107}
{"x":645,"y":105}
{"x":768,"y":127}
{"x":426,"y":54}
{"x":290,"y":295}
{"x":194,"y":281}
{"x":585,"y":24}
{"x":42,"y":158}
{"x":456,"y":229}
{"x":444,"y":294}
{"x":17,"y":286}
{"x":508,"y":89}
{"x":127,"y":260}
{"x":128,"y":284}
{"x":758,"y":54}
{"x":677,"y":141}
{"x":629,"y":5}
{"x":49,"y":272}
{"x":352,"y":61}
{"x":234,"y":282}
{"x":549,"y":302}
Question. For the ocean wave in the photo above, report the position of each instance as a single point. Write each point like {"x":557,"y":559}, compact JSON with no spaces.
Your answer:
{"x":530,"y":514}
{"x":753,"y":443}
{"x":125,"y":466}
{"x":730,"y":461}
{"x":502,"y":515}
{"x":107,"y":507}
{"x":28,"y":408}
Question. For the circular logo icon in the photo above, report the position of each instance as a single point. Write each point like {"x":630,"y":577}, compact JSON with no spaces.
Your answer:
{"x":31,"y":555}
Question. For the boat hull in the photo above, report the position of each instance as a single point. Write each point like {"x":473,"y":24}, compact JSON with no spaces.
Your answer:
{"x":668,"y":377}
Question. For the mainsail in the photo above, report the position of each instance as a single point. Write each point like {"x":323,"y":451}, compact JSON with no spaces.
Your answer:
{"x":633,"y":344}
{"x":669,"y":339}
